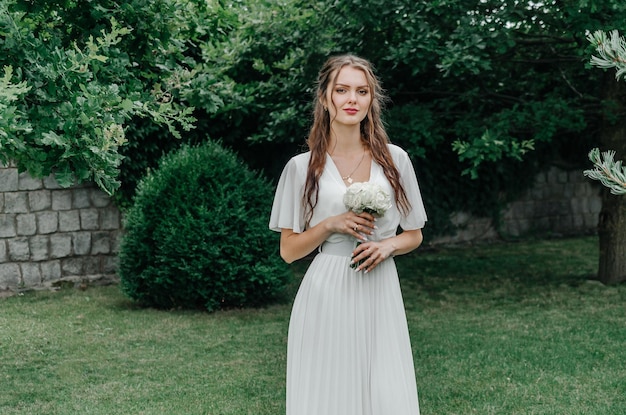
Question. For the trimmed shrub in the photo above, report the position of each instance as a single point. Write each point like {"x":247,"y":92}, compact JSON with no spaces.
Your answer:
{"x":196,"y":235}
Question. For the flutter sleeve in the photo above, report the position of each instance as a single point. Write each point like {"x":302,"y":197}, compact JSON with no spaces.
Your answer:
{"x":416,"y":217}
{"x":287,"y":209}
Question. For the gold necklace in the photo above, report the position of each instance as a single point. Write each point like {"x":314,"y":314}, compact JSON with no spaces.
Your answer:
{"x":348,"y":178}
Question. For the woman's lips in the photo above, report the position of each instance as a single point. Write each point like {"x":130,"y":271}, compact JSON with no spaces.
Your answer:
{"x":351,"y":111}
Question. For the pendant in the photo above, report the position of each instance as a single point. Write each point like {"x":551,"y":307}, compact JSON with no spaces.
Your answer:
{"x":349,"y":180}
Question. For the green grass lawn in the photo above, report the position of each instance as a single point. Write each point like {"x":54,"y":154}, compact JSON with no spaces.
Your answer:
{"x":507,"y":328}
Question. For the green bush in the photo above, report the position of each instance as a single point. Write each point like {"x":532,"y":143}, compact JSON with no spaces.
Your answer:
{"x":197,"y":235}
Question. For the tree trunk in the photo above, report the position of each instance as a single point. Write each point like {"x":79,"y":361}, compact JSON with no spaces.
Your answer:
{"x":612,"y":220}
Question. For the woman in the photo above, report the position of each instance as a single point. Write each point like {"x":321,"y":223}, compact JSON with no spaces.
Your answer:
{"x":348,"y":349}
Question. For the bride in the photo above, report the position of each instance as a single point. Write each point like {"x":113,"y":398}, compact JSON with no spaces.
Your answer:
{"x":348,"y":349}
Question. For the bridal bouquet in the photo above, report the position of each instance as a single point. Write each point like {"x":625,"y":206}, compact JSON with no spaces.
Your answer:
{"x":366,"y":197}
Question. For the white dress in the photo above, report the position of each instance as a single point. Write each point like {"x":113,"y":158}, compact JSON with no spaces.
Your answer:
{"x":348,"y":349}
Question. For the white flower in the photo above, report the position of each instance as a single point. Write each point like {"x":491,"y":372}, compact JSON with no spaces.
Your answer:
{"x":367,"y":197}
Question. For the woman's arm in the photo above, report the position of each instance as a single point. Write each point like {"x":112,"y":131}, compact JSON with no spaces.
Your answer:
{"x":294,"y":245}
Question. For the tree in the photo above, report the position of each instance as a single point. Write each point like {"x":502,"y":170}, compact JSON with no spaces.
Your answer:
{"x":612,"y":223}
{"x":67,"y":93}
{"x":609,"y":172}
{"x":483,"y":94}
{"x":612,"y":54}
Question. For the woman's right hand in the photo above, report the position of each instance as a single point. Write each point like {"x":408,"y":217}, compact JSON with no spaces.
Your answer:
{"x":294,"y":245}
{"x":358,"y":225}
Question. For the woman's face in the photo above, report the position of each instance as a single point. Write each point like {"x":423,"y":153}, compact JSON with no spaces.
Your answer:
{"x":349,"y":99}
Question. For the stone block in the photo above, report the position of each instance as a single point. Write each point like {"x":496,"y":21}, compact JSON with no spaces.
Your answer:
{"x":549,"y":208}
{"x":39,"y":200}
{"x":551,"y":175}
{"x":3,"y":251}
{"x":460,"y":219}
{"x":578,"y":206}
{"x":100,"y":243}
{"x":92,"y":265}
{"x":594,"y":190}
{"x":110,"y":218}
{"x":507,"y":214}
{"x":582,"y":189}
{"x":9,"y":275}
{"x":60,"y":246}
{"x":99,"y":198}
{"x":51,"y":183}
{"x":50,"y":270}
{"x":536,"y":193}
{"x":31,"y":274}
{"x":39,"y":248}
{"x":19,"y":250}
{"x":72,"y":266}
{"x":567,"y":223}
{"x":579,"y":222}
{"x":116,"y":240}
{"x":109,"y":264}
{"x":526,"y":209}
{"x":555,"y":190}
{"x":8,"y":180}
{"x":7,"y":226}
{"x":16,"y":202}
{"x":512,"y":228}
{"x":47,"y":222}
{"x":89,"y":219}
{"x":27,"y":182}
{"x":2,"y":203}
{"x":69,"y":221}
{"x":595,"y":205}
{"x":62,"y":200}
{"x":591,"y":220}
{"x":82,"y":243}
{"x":26,"y":224}
{"x":542,"y":223}
{"x":523,"y":225}
{"x":81,"y":198}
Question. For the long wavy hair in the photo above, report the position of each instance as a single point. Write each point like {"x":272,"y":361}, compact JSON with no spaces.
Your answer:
{"x":373,"y":133}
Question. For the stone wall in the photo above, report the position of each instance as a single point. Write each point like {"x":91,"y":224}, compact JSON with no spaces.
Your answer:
{"x":560,"y":203}
{"x":50,"y":234}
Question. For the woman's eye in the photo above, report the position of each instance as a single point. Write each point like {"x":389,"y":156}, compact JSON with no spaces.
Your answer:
{"x":340,"y":90}
{"x":363,"y":91}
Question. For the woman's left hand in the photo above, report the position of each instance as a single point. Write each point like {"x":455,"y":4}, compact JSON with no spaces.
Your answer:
{"x":369,"y":254}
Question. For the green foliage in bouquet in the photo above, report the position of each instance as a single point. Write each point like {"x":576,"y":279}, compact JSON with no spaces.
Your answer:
{"x":197,"y":235}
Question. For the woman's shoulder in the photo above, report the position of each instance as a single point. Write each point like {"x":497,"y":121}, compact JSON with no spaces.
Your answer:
{"x":397,"y":152}
{"x":301,"y":159}
{"x":299,"y":162}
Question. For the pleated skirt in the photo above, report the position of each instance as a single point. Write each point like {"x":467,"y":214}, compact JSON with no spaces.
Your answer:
{"x":349,"y":350}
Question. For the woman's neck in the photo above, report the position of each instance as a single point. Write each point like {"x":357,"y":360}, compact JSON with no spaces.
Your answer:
{"x":345,"y":140}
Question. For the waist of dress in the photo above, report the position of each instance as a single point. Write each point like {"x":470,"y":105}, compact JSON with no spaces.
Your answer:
{"x":341,"y":248}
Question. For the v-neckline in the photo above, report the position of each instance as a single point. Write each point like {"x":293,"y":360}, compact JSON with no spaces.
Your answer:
{"x":337,"y":174}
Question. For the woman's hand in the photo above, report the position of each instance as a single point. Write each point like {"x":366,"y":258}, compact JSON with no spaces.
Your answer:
{"x":369,"y":254}
{"x":359,"y":225}
{"x":294,"y":245}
